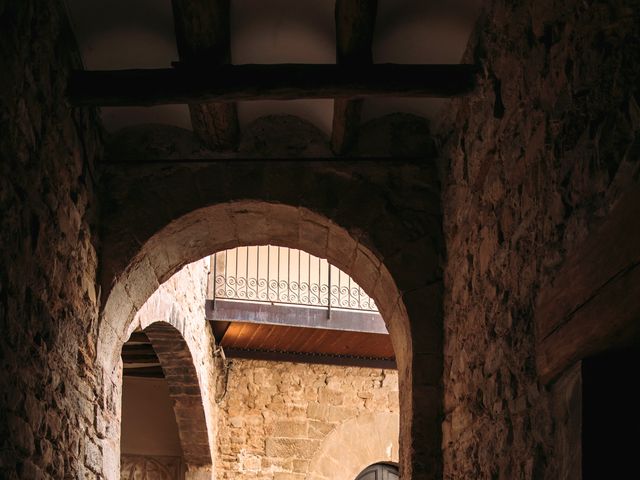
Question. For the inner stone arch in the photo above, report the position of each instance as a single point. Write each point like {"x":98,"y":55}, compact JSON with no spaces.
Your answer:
{"x":182,"y":341}
{"x":185,"y":392}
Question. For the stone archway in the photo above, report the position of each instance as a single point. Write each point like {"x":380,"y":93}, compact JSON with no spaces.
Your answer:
{"x":183,"y":342}
{"x":354,"y":445}
{"x":184,"y":388}
{"x":162,"y":220}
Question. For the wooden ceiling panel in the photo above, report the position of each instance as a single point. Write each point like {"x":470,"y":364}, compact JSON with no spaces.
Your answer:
{"x":139,"y":359}
{"x":251,"y":336}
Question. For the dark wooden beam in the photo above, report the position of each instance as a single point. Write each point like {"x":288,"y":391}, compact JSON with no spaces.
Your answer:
{"x":144,"y":372}
{"x":346,"y":121}
{"x":301,"y":357}
{"x":202,"y":36}
{"x":593,"y":303}
{"x":139,"y":353}
{"x":129,"y":359}
{"x":260,"y":82}
{"x":355,"y":23}
{"x":138,"y":337}
{"x":138,"y":348}
{"x":386,"y":160}
{"x":139,"y":360}
{"x":294,"y":316}
{"x":219,"y":329}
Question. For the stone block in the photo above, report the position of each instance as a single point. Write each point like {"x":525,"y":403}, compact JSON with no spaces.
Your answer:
{"x":290,"y":428}
{"x":291,"y":447}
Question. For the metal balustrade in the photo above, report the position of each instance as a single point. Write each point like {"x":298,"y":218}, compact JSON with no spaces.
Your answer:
{"x":280,"y":275}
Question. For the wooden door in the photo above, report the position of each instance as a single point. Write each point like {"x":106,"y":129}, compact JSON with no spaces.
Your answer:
{"x":380,"y":471}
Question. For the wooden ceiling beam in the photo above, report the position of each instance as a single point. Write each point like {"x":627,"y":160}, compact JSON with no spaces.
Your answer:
{"x":188,"y":84}
{"x":137,"y":337}
{"x":139,"y":353}
{"x":144,"y":372}
{"x":355,"y":23}
{"x":202,"y":36}
{"x":129,"y":359}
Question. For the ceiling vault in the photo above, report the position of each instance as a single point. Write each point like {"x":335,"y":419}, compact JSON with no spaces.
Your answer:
{"x":202,"y":36}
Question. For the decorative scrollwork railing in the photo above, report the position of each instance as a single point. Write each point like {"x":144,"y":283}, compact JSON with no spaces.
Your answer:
{"x":283,"y":275}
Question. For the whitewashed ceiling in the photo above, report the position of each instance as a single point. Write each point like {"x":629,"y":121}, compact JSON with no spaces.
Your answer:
{"x":117,"y":34}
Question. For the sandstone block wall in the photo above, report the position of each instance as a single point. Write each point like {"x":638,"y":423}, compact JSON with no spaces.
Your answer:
{"x":276,"y":417}
{"x":533,"y":159}
{"x":49,"y":392}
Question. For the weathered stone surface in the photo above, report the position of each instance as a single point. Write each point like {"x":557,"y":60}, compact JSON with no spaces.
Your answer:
{"x":402,"y":134}
{"x":48,"y":261}
{"x":284,"y":136}
{"x":224,"y":223}
{"x":278,"y":417}
{"x":534,"y":158}
{"x":156,"y":141}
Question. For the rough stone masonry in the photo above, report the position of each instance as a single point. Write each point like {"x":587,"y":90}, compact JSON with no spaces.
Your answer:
{"x":276,"y":416}
{"x":530,"y":162}
{"x":532,"y":159}
{"x":50,"y":387}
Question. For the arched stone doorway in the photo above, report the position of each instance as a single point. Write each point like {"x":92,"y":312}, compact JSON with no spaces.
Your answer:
{"x":393,"y":254}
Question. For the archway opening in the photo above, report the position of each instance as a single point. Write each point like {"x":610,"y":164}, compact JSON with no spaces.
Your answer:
{"x":307,"y":355}
{"x":150,"y":443}
{"x":212,"y":229}
{"x":276,"y":303}
{"x":311,"y":357}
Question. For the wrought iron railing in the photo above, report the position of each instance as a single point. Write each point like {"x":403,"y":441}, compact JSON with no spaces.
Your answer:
{"x":287,"y":276}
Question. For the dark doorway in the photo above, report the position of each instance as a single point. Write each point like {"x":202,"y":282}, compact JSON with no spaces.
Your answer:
{"x":380,"y":471}
{"x":610,"y":415}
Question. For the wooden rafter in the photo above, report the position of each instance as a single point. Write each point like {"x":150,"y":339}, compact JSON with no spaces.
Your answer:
{"x":190,"y":84}
{"x":202,"y":36}
{"x":355,"y":22}
{"x":141,"y":353}
{"x":139,"y":359}
{"x":144,"y":372}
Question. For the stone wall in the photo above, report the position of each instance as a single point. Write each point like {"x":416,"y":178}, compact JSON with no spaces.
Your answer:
{"x":163,"y":216}
{"x":49,"y":392}
{"x":535,"y":157}
{"x":277,"y":420}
